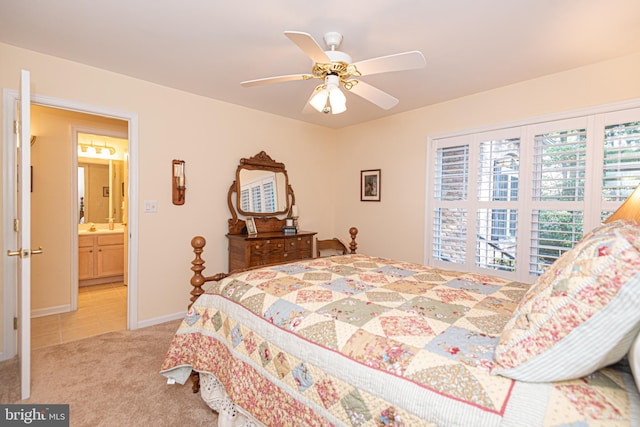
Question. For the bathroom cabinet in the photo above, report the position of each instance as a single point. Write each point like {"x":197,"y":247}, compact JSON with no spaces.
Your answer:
{"x":100,"y":258}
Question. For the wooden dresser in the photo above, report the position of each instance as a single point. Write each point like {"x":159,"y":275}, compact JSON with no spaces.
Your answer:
{"x":268,"y":248}
{"x":262,"y":197}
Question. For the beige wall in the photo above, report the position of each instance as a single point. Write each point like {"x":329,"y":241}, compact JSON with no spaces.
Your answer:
{"x":324,"y":165}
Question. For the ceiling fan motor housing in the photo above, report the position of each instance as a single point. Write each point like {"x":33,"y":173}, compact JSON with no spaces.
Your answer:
{"x":340,"y":64}
{"x":332,"y":39}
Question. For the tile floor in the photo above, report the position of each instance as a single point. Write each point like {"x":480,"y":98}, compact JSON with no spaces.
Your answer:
{"x":101,"y":308}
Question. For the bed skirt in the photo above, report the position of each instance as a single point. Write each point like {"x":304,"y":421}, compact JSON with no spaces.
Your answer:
{"x":229,"y":414}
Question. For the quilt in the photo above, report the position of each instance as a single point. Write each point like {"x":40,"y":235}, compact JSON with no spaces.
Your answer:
{"x":356,"y":340}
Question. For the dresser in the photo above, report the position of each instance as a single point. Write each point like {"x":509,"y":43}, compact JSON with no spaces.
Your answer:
{"x":268,"y":248}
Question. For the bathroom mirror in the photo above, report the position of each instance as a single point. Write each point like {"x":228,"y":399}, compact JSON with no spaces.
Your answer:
{"x":100,"y":190}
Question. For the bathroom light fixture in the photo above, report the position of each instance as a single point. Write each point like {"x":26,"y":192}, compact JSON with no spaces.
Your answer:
{"x":328,"y":98}
{"x":94,"y":148}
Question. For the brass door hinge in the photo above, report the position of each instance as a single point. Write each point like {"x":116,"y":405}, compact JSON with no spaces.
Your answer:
{"x":16,"y":225}
{"x":15,"y":323}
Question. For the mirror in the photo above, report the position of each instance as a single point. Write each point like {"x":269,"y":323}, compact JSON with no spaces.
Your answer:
{"x":261,"y":191}
{"x":100,"y":190}
{"x":262,"y":186}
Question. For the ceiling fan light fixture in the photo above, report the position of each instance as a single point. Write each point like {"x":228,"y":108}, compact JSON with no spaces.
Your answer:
{"x":319,"y":100}
{"x":328,"y":97}
{"x":337,"y":100}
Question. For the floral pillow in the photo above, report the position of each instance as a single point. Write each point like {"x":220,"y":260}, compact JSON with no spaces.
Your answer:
{"x":582,"y":314}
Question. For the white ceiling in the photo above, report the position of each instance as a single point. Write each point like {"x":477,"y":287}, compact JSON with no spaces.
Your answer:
{"x":208,"y":47}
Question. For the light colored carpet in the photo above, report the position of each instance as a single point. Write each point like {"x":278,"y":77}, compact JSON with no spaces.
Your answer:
{"x":110,"y":380}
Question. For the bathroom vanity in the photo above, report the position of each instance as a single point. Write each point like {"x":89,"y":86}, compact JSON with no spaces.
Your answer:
{"x":100,"y":257}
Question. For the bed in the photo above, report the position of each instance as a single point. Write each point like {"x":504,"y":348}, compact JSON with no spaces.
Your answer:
{"x":357,"y":340}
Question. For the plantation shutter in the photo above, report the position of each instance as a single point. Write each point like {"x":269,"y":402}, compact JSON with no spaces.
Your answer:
{"x":269,"y":196}
{"x":450,"y":223}
{"x":558,"y":188}
{"x":621,"y":163}
{"x":245,"y":203}
{"x":498,"y":181}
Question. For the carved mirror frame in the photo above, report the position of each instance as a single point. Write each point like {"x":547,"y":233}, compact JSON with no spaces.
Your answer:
{"x":265,"y":221}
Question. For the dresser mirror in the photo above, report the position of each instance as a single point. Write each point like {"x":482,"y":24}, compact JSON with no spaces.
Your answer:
{"x":262,"y":191}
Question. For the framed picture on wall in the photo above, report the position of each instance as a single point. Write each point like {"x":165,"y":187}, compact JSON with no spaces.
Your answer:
{"x":251,"y":227}
{"x":370,"y":185}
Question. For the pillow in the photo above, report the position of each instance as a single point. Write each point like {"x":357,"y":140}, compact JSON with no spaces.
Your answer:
{"x":634,"y":360}
{"x":582,"y":314}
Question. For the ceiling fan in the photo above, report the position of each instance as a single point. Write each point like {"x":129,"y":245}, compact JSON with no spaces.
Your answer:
{"x":335,"y":68}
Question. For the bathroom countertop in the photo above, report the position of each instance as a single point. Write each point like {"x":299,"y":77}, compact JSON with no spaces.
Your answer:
{"x":102,"y":231}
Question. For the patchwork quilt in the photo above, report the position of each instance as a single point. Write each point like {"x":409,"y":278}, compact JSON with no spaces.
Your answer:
{"x":361,"y":341}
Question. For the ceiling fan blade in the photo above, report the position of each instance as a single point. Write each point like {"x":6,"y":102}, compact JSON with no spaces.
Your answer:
{"x":276,"y":79}
{"x":308,"y":45}
{"x":374,"y":95}
{"x":397,"y":62}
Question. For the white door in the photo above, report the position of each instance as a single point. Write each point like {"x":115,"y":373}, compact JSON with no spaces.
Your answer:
{"x":22,"y":228}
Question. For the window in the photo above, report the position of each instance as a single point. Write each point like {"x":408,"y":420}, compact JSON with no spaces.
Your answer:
{"x":509,"y":202}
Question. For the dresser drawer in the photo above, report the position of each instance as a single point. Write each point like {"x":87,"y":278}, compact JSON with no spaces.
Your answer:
{"x":304,"y":246}
{"x":298,"y":247}
{"x":271,"y":258}
{"x":267,"y":247}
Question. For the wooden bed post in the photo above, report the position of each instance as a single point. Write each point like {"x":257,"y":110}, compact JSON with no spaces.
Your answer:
{"x":353,"y":231}
{"x":197,"y":265}
{"x":198,"y":280}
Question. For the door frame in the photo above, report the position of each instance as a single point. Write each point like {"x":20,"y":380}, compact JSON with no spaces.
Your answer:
{"x":9,"y":273}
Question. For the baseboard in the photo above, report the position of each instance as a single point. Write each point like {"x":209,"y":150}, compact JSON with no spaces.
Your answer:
{"x":5,"y":356}
{"x":161,"y":319}
{"x":50,"y":310}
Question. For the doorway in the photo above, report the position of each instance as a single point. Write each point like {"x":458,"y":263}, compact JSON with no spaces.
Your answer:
{"x":60,"y":220}
{"x":70,"y":305}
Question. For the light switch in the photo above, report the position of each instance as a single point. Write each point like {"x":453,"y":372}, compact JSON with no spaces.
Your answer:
{"x":150,"y":206}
